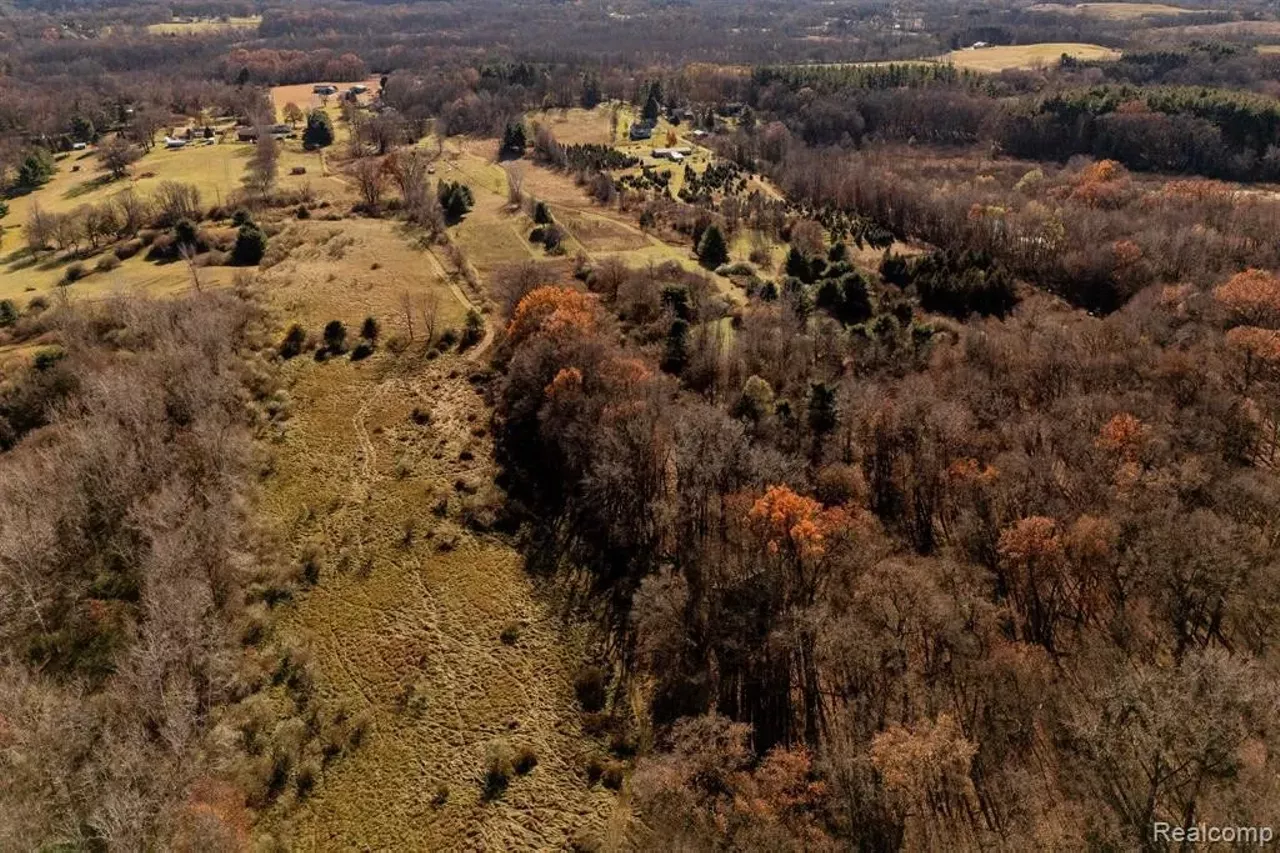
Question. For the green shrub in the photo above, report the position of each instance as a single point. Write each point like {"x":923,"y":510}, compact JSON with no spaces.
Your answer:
{"x":335,"y":336}
{"x":107,"y":263}
{"x":319,"y":132}
{"x":472,"y":330}
{"x":293,"y":342}
{"x":251,"y":245}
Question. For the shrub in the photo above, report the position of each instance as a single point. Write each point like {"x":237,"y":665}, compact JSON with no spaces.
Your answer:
{"x":361,"y":351}
{"x":335,"y":336}
{"x":184,"y":232}
{"x":510,"y":633}
{"x":369,"y":330}
{"x":8,"y":313}
{"x":128,"y":249}
{"x":499,"y":767}
{"x":308,"y":773}
{"x":614,"y":773}
{"x":74,"y":272}
{"x":319,"y":132}
{"x":713,"y":251}
{"x":162,"y":248}
{"x":310,"y":565}
{"x":526,"y":759}
{"x":448,"y":338}
{"x":107,"y":263}
{"x":251,"y":245}
{"x":440,"y":796}
{"x":293,"y":342}
{"x":589,"y":686}
{"x":473,"y":330}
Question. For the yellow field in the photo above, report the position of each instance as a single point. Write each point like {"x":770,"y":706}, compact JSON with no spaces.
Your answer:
{"x":1113,"y":11}
{"x":576,"y":126}
{"x":1002,"y":57}
{"x":352,"y":269}
{"x":184,"y":28}
{"x":404,"y":624}
{"x":216,"y":170}
{"x":302,"y":95}
{"x":1227,"y":30}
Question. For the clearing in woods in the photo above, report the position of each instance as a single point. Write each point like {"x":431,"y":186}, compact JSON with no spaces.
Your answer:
{"x":216,"y":170}
{"x":1113,"y":11}
{"x":382,"y":471}
{"x":1001,"y":57}
{"x":187,"y":27}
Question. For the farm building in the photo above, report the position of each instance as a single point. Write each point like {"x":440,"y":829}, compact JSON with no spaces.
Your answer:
{"x":676,"y":154}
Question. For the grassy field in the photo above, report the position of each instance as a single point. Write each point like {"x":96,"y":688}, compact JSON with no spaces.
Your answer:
{"x":405,"y":621}
{"x":576,"y":126}
{"x":197,"y":27}
{"x":1002,"y":57}
{"x":216,"y":170}
{"x":1226,"y":31}
{"x":1113,"y":11}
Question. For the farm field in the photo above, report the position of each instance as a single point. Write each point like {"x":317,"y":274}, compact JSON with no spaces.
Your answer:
{"x":205,"y":25}
{"x":1113,"y":11}
{"x":303,"y":95}
{"x":1002,"y":57}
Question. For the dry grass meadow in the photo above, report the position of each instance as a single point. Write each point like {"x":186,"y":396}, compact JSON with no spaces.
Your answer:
{"x":1114,"y":11}
{"x":186,"y":27}
{"x":1002,"y":57}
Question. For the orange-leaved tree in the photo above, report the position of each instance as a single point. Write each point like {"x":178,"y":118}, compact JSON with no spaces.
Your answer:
{"x":557,"y":312}
{"x":1251,"y":298}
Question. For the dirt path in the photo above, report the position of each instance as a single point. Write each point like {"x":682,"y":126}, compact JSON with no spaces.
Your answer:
{"x":406,"y":618}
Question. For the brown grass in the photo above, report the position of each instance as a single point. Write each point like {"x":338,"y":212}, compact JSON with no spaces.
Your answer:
{"x":1113,"y":11}
{"x":1002,"y":57}
{"x":420,"y":615}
